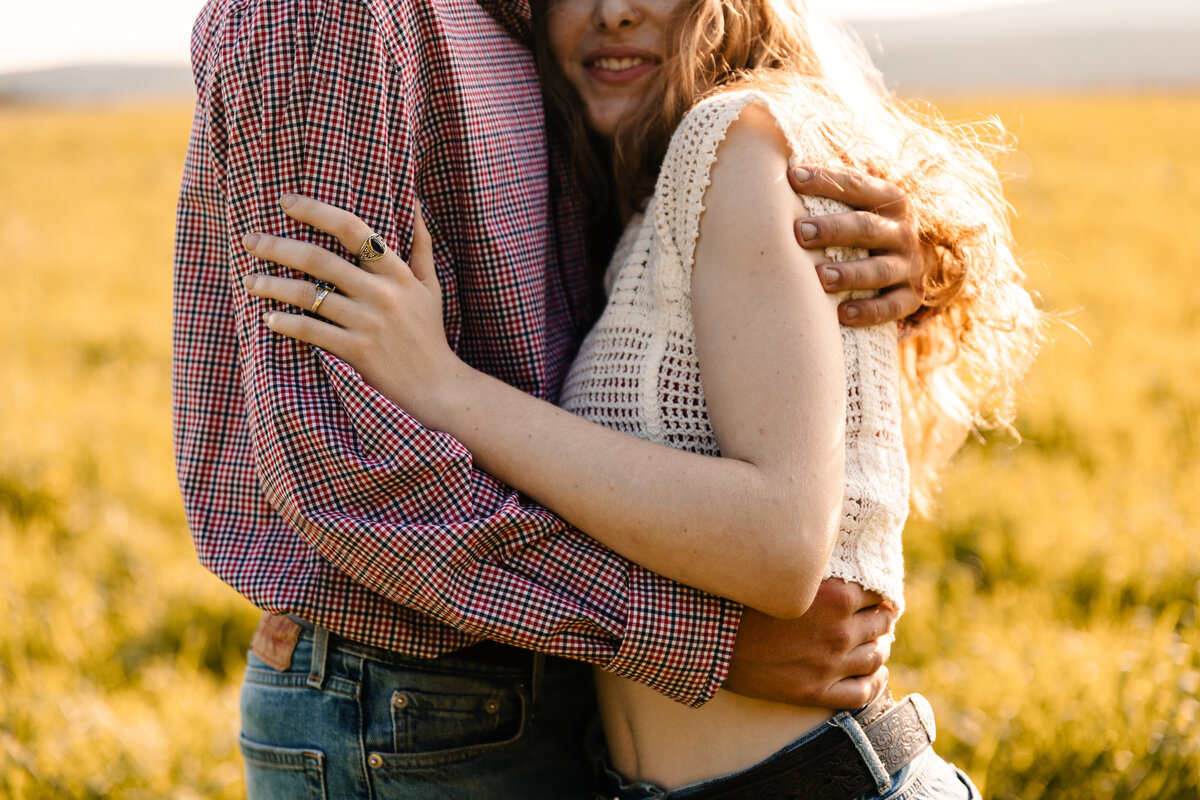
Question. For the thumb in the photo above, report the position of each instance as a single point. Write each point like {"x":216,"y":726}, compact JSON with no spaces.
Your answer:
{"x":421,"y":259}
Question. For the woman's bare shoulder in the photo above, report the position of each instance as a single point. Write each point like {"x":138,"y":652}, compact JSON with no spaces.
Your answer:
{"x":748,"y":183}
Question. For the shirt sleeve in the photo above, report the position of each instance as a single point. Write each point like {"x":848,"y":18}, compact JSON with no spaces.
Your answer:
{"x":307,"y":490}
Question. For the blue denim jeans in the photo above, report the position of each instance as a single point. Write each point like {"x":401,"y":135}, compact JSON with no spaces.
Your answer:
{"x":926,"y":777}
{"x":347,"y":726}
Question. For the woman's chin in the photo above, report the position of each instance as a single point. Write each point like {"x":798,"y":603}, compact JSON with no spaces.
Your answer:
{"x":604,"y":120}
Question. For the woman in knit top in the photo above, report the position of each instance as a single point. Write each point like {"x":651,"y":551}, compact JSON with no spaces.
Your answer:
{"x":770,"y":448}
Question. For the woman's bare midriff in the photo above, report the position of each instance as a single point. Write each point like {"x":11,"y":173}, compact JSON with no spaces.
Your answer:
{"x":652,"y":738}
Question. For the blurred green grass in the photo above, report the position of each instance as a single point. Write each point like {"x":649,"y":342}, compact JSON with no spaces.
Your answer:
{"x":1052,"y":601}
{"x":119,"y":656}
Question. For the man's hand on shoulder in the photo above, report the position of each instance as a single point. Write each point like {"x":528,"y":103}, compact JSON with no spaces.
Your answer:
{"x":881,"y":223}
{"x":832,"y":657}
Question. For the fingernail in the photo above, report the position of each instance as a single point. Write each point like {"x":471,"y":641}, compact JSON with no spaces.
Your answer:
{"x":852,"y":312}
{"x":287,"y":200}
{"x":249,"y":281}
{"x":802,"y":175}
{"x":266,"y":318}
{"x":831,"y":276}
{"x":808,"y":231}
{"x":250,"y":240}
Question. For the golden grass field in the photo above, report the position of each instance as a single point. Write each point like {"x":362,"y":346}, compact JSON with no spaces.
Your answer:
{"x":1053,"y":600}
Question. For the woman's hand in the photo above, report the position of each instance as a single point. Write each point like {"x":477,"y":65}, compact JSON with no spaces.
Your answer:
{"x":881,"y":223}
{"x":384,"y":319}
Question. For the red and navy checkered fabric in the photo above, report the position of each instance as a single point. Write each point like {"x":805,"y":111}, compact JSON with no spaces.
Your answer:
{"x":307,"y":490}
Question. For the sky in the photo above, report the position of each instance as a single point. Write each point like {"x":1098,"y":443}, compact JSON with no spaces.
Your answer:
{"x":52,"y":33}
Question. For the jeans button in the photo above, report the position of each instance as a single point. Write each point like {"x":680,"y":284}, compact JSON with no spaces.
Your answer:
{"x":400,"y":700}
{"x":374,"y":761}
{"x":491,"y":706}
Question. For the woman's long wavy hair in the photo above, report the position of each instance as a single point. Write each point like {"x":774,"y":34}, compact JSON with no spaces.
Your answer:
{"x":961,"y":368}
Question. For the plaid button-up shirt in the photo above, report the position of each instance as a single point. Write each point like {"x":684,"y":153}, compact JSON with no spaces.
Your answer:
{"x":307,"y":490}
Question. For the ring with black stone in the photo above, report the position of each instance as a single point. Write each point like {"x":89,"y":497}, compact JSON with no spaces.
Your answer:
{"x":373,"y":248}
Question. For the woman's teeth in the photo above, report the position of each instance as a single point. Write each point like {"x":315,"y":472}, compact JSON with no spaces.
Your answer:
{"x":618,"y":64}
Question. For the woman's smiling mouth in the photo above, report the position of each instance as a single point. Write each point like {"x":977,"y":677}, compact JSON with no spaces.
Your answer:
{"x":616,"y":65}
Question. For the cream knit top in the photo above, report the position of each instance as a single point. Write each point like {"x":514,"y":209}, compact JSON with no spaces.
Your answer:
{"x":637,"y":370}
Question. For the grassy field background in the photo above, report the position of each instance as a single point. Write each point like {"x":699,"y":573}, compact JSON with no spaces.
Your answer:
{"x":1053,"y":601}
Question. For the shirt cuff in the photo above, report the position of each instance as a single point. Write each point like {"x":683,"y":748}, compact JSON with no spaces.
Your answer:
{"x":678,"y":640}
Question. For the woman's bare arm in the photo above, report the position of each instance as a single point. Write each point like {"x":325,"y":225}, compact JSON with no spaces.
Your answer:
{"x":755,"y":525}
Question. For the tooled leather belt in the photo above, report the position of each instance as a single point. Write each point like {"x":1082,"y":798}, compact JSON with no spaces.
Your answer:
{"x":832,"y":766}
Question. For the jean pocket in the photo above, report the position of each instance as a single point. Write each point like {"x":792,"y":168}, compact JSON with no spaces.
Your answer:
{"x":254,"y":662}
{"x":259,"y":671}
{"x":443,"y":724}
{"x":260,"y":674}
{"x":273,"y":772}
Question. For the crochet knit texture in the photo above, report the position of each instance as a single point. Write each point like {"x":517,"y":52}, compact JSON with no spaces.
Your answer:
{"x":637,"y":370}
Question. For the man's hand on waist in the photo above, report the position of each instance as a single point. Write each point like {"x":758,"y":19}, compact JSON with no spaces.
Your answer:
{"x":832,"y":657}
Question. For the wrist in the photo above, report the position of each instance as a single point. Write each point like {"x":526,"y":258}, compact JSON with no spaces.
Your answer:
{"x":448,"y":398}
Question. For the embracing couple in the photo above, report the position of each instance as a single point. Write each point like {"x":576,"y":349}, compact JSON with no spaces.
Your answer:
{"x":525,"y":526}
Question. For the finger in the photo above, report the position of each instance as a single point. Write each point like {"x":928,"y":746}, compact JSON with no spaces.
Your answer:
{"x":301,"y":294}
{"x":324,"y":335}
{"x":420,"y":261}
{"x":838,"y":597}
{"x":868,"y":657}
{"x":861,"y":229}
{"x":857,"y":691}
{"x":849,"y":597}
{"x":889,"y":307}
{"x":870,"y":624}
{"x":874,"y":272}
{"x":347,"y":228}
{"x":306,"y":257}
{"x":855,"y":189}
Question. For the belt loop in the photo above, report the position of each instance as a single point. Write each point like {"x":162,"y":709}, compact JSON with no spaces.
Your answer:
{"x":320,"y":654}
{"x":846,"y":721}
{"x":535,"y":680}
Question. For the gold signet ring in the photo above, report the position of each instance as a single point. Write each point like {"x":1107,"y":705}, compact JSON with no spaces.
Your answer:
{"x":372,"y":248}
{"x":323,"y":290}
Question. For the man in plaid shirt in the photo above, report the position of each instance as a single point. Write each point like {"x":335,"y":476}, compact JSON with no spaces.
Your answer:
{"x":373,"y":542}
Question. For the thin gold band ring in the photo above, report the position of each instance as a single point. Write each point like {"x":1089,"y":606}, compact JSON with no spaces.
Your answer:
{"x":323,"y":290}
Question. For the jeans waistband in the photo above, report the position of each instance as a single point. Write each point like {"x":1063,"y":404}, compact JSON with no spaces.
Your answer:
{"x":491,"y":656}
{"x":486,"y":652}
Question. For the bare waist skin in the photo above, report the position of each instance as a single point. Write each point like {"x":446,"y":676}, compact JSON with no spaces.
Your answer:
{"x":654,"y":739}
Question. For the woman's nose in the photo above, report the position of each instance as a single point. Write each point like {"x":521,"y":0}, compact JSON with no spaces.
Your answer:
{"x":611,"y":15}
